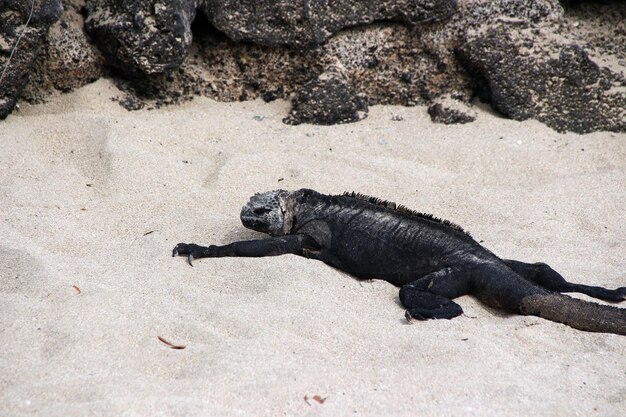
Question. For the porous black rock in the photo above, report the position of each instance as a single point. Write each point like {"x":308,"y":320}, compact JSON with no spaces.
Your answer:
{"x":561,"y":62}
{"x":450,"y":110}
{"x":153,"y":36}
{"x":66,"y":61}
{"x":141,"y":36}
{"x":327,"y":100}
{"x":23,"y":29}
{"x":309,"y":23}
{"x":556,"y":82}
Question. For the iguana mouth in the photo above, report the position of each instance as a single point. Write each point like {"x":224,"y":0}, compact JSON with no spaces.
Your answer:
{"x":251,"y":223}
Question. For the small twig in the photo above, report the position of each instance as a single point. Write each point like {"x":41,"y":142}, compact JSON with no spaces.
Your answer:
{"x":32,"y":9}
{"x":173,"y":346}
{"x":78,"y":291}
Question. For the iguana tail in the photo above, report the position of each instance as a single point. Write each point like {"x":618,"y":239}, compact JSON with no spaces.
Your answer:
{"x":579,"y":314}
{"x":499,"y":286}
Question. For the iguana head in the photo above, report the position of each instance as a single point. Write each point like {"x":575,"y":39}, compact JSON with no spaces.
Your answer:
{"x":268,"y":213}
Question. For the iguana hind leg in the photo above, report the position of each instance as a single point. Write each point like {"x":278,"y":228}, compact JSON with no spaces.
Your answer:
{"x":430,"y":297}
{"x":542,"y":274}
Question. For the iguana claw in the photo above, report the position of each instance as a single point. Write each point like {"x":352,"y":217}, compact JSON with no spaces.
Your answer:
{"x":410,"y":318}
{"x":183,"y":249}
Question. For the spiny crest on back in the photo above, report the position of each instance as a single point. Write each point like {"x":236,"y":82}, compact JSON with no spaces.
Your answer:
{"x":403,"y":209}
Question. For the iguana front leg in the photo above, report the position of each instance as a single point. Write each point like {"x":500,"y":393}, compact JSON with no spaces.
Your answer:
{"x":274,"y":246}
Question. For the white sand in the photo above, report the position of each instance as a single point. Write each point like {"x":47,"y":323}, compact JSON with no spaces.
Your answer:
{"x":263,"y":333}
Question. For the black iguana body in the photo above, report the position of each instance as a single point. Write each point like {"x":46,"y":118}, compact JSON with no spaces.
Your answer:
{"x":433,"y":261}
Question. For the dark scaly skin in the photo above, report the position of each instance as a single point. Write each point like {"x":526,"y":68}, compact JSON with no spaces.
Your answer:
{"x":432,"y":261}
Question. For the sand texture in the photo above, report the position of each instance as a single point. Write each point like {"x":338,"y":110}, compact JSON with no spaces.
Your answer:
{"x":93,"y":198}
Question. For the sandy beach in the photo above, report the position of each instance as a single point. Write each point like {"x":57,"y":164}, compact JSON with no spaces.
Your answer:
{"x":93,"y":198}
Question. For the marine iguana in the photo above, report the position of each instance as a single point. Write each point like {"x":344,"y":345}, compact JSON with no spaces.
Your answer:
{"x":432,"y":261}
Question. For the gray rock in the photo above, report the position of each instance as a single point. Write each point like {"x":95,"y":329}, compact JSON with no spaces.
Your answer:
{"x":327,"y":100}
{"x":556,"y":82}
{"x":20,"y":44}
